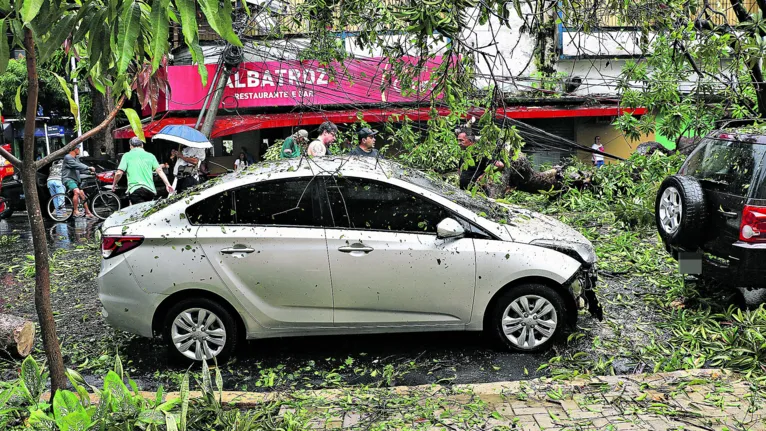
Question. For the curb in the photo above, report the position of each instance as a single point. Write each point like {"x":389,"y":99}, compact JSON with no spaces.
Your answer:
{"x":484,"y":391}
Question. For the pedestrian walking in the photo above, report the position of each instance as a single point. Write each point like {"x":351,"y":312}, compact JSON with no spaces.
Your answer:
{"x":328,"y":132}
{"x":139,"y":164}
{"x":366,"y":147}
{"x":187,"y":166}
{"x":70,"y":176}
{"x":291,"y":148}
{"x":241,"y":162}
{"x":598,"y":159}
{"x":55,"y":186}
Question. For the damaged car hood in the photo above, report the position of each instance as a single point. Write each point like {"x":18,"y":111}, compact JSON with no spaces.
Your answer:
{"x":530,"y":227}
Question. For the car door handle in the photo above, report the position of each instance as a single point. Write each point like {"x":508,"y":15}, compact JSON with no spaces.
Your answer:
{"x":234,"y":250}
{"x":355,"y":247}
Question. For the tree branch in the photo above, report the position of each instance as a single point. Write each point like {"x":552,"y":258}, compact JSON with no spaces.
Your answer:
{"x":75,"y":142}
{"x":10,"y":157}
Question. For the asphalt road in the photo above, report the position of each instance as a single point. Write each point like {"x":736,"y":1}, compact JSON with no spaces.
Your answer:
{"x":404,"y":359}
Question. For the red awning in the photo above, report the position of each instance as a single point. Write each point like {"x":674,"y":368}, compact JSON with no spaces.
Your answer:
{"x":226,"y":125}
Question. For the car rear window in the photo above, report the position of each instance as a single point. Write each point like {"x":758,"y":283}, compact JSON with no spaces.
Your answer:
{"x":728,"y":166}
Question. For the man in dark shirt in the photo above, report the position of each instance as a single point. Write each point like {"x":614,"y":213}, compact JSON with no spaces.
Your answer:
{"x":472,"y":174}
{"x":366,"y":146}
{"x":70,"y":176}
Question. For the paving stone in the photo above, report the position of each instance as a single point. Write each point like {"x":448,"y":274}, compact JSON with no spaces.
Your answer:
{"x":530,"y":410}
{"x":351,"y":419}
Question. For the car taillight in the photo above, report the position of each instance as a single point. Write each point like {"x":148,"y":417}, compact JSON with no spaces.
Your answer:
{"x":106,"y":177}
{"x":753,"y":227}
{"x":112,"y":246}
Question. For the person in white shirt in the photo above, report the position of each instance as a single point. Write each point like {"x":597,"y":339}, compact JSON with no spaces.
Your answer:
{"x":241,"y":162}
{"x":187,"y":167}
{"x":598,"y":159}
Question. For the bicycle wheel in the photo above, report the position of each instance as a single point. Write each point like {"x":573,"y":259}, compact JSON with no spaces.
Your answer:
{"x":104,"y":204}
{"x":60,"y":207}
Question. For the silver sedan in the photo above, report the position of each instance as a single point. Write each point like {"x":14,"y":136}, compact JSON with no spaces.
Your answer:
{"x":338,"y":246}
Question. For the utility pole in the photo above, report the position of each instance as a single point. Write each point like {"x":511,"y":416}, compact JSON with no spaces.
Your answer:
{"x":232,"y":57}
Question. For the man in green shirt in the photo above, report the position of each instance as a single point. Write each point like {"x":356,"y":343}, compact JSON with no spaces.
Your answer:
{"x":139,"y":165}
{"x":291,"y":148}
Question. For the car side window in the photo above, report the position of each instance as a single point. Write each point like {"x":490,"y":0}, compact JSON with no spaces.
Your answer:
{"x":727,"y":165}
{"x":280,"y":203}
{"x":358,"y":203}
{"x":215,"y":210}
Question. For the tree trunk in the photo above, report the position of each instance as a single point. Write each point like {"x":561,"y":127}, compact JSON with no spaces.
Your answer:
{"x":103,"y":105}
{"x":17,"y":335}
{"x":39,"y":240}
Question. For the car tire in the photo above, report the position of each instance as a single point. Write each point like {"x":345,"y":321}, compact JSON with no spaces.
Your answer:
{"x":512,"y":321}
{"x":195,"y":310}
{"x":680,"y":212}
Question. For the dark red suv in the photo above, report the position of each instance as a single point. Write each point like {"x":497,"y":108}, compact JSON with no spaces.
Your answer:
{"x":712,"y":214}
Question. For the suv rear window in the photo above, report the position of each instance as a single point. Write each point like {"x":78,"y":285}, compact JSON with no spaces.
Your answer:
{"x":728,"y":166}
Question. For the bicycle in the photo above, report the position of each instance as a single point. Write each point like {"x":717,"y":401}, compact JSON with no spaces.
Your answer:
{"x":102,"y":204}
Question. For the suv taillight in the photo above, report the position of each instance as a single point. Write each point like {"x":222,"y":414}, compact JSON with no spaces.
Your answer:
{"x":753,"y":227}
{"x":112,"y":246}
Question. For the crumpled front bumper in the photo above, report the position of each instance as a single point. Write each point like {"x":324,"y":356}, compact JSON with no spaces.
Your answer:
{"x":583,"y":288}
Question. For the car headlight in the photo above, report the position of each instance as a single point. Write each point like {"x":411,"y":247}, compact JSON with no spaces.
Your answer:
{"x":582,"y":252}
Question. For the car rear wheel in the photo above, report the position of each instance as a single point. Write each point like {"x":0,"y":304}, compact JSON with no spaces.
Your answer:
{"x":529,"y":318}
{"x":680,"y":211}
{"x":199,"y":329}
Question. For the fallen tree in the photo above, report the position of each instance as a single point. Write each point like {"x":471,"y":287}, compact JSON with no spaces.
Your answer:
{"x":17,"y":335}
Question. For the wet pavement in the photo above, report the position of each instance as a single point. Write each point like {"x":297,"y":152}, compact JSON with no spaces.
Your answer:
{"x":89,"y":344}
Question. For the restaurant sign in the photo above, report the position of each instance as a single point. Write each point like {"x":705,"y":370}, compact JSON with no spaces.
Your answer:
{"x":296,"y":83}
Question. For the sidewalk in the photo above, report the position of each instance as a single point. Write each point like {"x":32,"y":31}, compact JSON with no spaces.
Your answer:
{"x":693,"y":400}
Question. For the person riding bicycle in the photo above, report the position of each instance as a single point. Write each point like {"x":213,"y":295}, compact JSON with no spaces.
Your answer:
{"x":70,"y":176}
{"x":139,"y":164}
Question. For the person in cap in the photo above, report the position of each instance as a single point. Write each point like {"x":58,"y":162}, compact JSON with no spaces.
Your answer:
{"x":366,"y":146}
{"x":291,"y":148}
{"x":139,"y":164}
{"x":328,"y":131}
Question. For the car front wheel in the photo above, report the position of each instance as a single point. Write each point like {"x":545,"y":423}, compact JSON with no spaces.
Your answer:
{"x":199,"y":329}
{"x":529,"y":317}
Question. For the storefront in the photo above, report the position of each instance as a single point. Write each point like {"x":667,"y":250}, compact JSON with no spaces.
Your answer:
{"x":267,"y":101}
{"x":48,"y":137}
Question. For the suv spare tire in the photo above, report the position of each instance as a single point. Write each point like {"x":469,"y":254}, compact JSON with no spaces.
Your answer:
{"x":680,"y":211}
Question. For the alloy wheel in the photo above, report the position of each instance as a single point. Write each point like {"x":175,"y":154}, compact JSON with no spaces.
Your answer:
{"x":670,"y":210}
{"x":198,"y":334}
{"x":529,"y":321}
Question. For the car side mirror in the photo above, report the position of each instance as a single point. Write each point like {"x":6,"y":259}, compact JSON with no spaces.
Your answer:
{"x":449,"y":228}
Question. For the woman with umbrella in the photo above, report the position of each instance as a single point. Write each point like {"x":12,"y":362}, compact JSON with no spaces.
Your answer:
{"x":189,"y":159}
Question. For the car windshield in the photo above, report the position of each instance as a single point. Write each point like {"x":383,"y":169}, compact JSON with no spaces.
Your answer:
{"x":478,"y":204}
{"x":729,"y":166}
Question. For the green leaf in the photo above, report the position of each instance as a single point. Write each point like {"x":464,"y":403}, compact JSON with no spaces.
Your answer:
{"x":4,"y":50}
{"x":30,"y":9}
{"x":58,"y":35}
{"x":64,"y":403}
{"x":220,"y":20}
{"x":18,"y":99}
{"x":5,"y":5}
{"x":170,"y":422}
{"x":135,"y":123}
{"x":160,"y":25}
{"x":72,"y":105}
{"x":184,"y":401}
{"x":117,"y":361}
{"x":187,"y":10}
{"x":130,"y":27}
{"x":30,"y":379}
